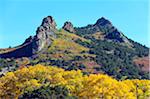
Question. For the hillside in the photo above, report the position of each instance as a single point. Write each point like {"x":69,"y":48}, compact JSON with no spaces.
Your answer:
{"x":95,"y":48}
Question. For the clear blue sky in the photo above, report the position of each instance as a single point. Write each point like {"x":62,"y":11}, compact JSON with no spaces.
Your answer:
{"x":20,"y":18}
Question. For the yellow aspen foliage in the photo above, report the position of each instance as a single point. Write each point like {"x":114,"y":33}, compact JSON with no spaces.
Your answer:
{"x":103,"y":87}
{"x":140,"y":88}
{"x":73,"y":80}
{"x":93,"y":86}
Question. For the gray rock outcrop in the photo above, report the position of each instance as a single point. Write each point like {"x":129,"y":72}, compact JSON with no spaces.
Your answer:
{"x":68,"y":26}
{"x":43,"y":34}
{"x":33,"y":45}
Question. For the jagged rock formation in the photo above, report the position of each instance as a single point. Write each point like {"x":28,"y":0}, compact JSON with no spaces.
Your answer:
{"x":106,"y":29}
{"x":43,"y":34}
{"x":36,"y":43}
{"x":117,"y":37}
{"x":49,"y":22}
{"x":68,"y":26}
{"x":113,"y":33}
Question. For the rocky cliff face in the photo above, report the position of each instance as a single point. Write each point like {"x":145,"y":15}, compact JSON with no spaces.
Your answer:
{"x":43,"y":34}
{"x":36,"y":43}
{"x":68,"y":26}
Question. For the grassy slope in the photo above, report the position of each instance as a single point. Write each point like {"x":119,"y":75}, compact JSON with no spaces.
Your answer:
{"x":64,"y":50}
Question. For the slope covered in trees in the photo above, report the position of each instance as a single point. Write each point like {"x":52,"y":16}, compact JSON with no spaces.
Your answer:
{"x":48,"y":81}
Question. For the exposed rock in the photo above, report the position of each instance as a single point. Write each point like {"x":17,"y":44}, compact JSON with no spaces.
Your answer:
{"x":102,"y":21}
{"x":116,"y":36}
{"x":36,"y":43}
{"x":43,"y":33}
{"x":102,"y":25}
{"x":111,"y":32}
{"x":68,"y":26}
{"x":106,"y":31}
{"x":49,"y":22}
{"x":28,"y":40}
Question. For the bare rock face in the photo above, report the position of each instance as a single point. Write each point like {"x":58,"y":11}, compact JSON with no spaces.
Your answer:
{"x":33,"y":45}
{"x":28,"y":40}
{"x":49,"y":22}
{"x":102,"y":22}
{"x":43,"y":34}
{"x":68,"y":26}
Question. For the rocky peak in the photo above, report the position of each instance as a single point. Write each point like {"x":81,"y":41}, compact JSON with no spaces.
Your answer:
{"x":35,"y":44}
{"x":112,"y":33}
{"x":49,"y":22}
{"x":102,"y":21}
{"x":68,"y":26}
{"x":43,"y":34}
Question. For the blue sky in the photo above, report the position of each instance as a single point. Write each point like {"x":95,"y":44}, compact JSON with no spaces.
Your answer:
{"x":20,"y":18}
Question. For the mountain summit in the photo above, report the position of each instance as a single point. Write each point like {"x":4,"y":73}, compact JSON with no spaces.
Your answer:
{"x":105,"y":30}
{"x":43,"y":34}
{"x":102,"y":21}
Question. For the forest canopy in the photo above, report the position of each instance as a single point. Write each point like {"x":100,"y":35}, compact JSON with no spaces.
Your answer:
{"x":51,"y":81}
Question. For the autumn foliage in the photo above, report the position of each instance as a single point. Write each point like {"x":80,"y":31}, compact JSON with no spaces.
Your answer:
{"x":93,"y":86}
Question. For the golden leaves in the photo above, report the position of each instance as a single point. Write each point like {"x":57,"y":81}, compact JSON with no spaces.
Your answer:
{"x":94,"y":86}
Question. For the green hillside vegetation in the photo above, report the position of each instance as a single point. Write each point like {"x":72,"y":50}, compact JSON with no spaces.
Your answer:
{"x":66,"y":51}
{"x":70,"y":48}
{"x":117,"y":60}
{"x":114,"y":58}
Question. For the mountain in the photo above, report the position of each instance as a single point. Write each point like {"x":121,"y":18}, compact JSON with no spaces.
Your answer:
{"x":95,"y":48}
